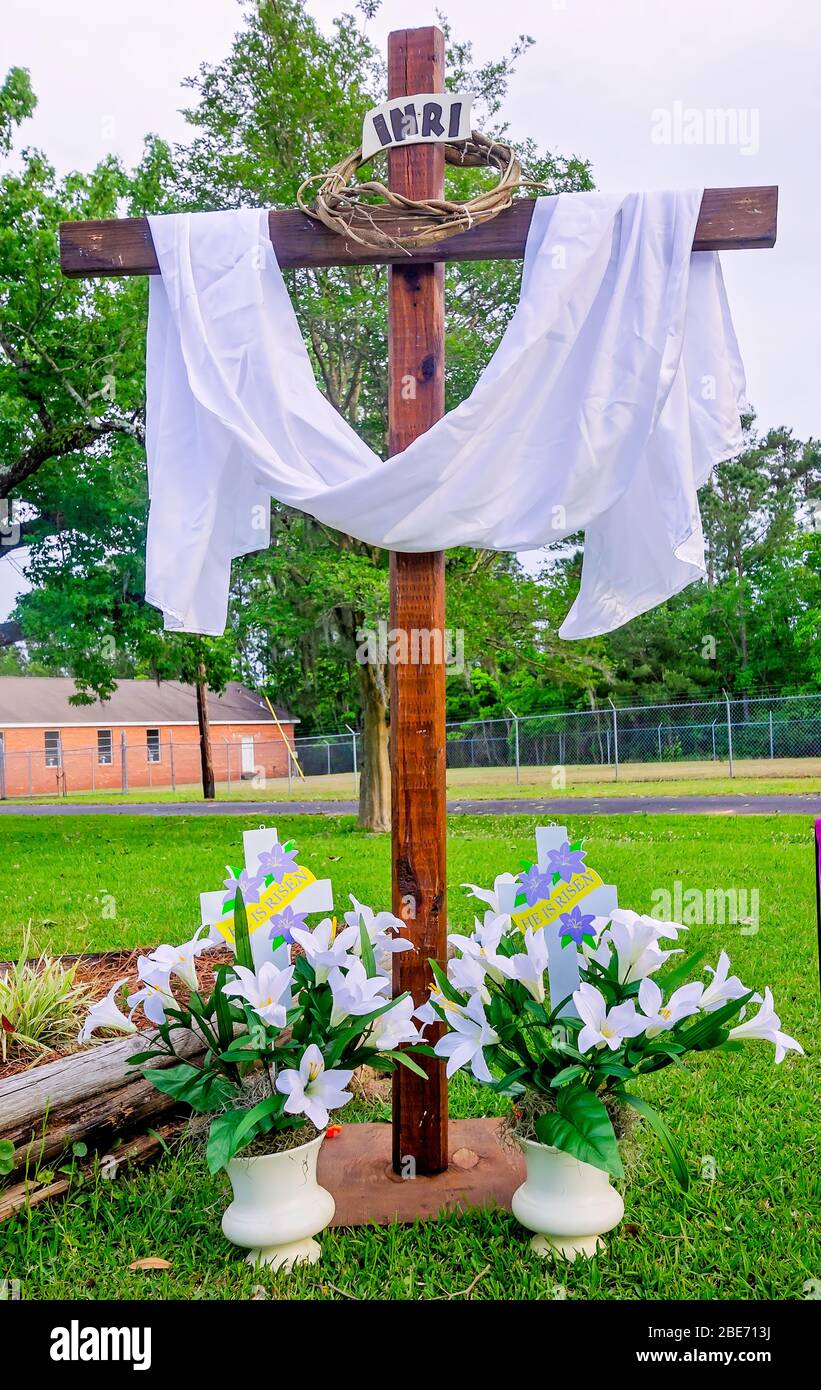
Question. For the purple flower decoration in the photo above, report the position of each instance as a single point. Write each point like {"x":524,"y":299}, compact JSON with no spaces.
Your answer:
{"x":565,"y":861}
{"x":577,"y":924}
{"x":535,"y":885}
{"x":277,"y":862}
{"x":284,"y":923}
{"x":249,"y":885}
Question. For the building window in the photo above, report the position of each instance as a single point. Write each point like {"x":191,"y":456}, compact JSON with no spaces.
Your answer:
{"x":52,"y":738}
{"x":152,"y":739}
{"x":104,"y":754}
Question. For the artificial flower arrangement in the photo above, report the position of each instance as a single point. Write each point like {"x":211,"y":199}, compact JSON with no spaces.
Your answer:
{"x":569,"y":1061}
{"x":284,"y":1027}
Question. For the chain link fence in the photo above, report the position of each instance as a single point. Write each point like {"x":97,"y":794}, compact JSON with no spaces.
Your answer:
{"x":708,"y":735}
{"x":723,"y":731}
{"x":119,"y":766}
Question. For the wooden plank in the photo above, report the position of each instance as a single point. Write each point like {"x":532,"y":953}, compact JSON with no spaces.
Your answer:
{"x":25,"y":1096}
{"x":730,"y":219}
{"x":416,"y":398}
{"x":96,"y":1119}
{"x":356,"y":1168}
{"x":24,"y":1195}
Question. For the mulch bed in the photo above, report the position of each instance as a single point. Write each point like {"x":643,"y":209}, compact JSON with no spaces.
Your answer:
{"x":97,"y":973}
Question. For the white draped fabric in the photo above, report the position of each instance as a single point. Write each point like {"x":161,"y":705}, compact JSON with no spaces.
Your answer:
{"x":617,"y":386}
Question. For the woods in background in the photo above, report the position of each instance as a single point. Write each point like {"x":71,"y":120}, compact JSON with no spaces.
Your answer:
{"x":288,"y":101}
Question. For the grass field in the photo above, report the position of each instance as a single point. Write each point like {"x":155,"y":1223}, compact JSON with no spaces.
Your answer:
{"x":749,"y":1233}
{"x":784,"y":776}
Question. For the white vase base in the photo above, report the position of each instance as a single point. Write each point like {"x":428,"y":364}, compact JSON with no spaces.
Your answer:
{"x":569,"y":1247}
{"x":305,"y":1252}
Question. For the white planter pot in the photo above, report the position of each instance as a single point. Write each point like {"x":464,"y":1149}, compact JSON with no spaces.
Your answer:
{"x":568,"y":1203}
{"x":278,"y":1206}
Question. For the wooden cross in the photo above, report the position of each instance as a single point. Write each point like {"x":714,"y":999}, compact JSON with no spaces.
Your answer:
{"x":728,"y":219}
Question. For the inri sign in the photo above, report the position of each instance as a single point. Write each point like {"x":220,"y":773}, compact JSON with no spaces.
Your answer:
{"x":421,"y":119}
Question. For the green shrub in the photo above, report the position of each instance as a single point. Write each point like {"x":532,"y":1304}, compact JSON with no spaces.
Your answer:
{"x":41,"y":1005}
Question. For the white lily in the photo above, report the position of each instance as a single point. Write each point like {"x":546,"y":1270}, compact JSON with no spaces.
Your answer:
{"x":624,"y":916}
{"x":268,"y":991}
{"x":530,"y":965}
{"x":395,"y":1027}
{"x":483,"y":945}
{"x":426,"y":1013}
{"x":467,"y":974}
{"x":492,"y":896}
{"x":470,"y":1032}
{"x":599,"y":947}
{"x":106,"y":1014}
{"x":312,"y":1090}
{"x":635,"y":940}
{"x":353,"y":993}
{"x":766,"y":1025}
{"x":603,"y":1027}
{"x":683,"y":1003}
{"x":181,"y":960}
{"x":722,"y":988}
{"x":383,"y":931}
{"x":155,"y":994}
{"x":326,"y":947}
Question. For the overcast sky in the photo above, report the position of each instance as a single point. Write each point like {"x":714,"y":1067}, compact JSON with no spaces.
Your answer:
{"x":593,"y":85}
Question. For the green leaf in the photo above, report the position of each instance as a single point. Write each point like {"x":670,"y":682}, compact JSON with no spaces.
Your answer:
{"x":582,"y":1128}
{"x":242,"y":939}
{"x":445,"y":985}
{"x":221,"y":1148}
{"x":679,"y":973}
{"x":613,"y":1069}
{"x":202,"y":1090}
{"x":230,"y":1132}
{"x":222,"y":1008}
{"x":566,"y":1074}
{"x":707,"y":1031}
{"x":138,"y":1058}
{"x":368,"y":958}
{"x":663,"y":1134}
{"x":406,"y":1061}
{"x":554,"y":1014}
{"x":6,"y":1156}
{"x":508,"y":1081}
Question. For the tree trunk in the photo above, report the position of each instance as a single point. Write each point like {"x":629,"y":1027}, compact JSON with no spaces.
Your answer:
{"x":375,"y":778}
{"x":206,"y":756}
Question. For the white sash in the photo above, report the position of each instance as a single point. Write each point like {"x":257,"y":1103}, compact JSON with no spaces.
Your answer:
{"x":617,"y":386}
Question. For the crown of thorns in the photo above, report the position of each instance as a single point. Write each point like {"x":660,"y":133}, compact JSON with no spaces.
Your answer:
{"x":345,"y":206}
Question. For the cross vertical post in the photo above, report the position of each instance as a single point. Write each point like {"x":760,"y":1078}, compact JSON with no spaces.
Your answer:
{"x":416,"y":399}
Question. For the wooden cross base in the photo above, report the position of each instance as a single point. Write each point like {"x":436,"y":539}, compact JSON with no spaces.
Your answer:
{"x":356,"y":1167}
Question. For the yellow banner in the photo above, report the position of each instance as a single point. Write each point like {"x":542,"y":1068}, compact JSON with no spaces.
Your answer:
{"x":271,"y":901}
{"x":563,"y":897}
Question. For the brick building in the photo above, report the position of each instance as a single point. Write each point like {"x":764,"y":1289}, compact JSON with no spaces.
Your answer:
{"x":145,"y":735}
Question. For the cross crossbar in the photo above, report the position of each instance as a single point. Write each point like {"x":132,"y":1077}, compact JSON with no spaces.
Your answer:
{"x":730,"y":219}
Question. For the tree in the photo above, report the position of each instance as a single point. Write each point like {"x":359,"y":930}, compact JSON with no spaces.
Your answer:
{"x":72,"y":432}
{"x":752,"y":624}
{"x":287,"y":103}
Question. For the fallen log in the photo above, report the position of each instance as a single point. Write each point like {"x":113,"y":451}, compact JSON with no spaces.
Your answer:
{"x":46,"y":1090}
{"x":94,"y":1121}
{"x":145,"y":1147}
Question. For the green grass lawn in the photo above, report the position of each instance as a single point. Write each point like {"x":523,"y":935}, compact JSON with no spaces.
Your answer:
{"x":749,"y":1233}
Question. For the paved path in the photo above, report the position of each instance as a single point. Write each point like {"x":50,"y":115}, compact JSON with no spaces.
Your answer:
{"x":527,"y":806}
